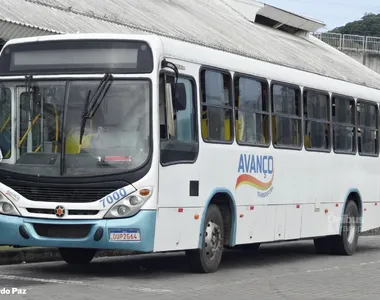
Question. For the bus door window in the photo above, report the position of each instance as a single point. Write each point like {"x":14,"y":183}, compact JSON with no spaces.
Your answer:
{"x":183,"y":145}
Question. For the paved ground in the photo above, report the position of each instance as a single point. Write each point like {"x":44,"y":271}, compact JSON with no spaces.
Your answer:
{"x":282,"y":271}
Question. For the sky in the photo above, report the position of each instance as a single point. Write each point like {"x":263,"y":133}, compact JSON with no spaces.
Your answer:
{"x":333,"y":13}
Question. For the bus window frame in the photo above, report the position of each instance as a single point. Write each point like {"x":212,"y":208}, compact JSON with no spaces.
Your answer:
{"x":231,"y":98}
{"x":353,"y":153}
{"x":269,"y":113}
{"x":273,"y":114}
{"x":359,"y":100}
{"x":329,"y":122}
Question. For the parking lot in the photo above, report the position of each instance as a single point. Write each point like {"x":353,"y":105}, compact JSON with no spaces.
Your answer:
{"x":277,"y":271}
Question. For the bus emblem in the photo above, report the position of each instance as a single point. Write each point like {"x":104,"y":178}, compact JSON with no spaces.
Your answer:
{"x":59,"y":211}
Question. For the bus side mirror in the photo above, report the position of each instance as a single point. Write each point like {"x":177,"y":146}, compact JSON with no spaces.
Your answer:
{"x":180,"y":97}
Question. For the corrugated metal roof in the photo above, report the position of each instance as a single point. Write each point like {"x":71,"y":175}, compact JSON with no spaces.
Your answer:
{"x":11,"y":30}
{"x":56,"y":20}
{"x":211,"y":23}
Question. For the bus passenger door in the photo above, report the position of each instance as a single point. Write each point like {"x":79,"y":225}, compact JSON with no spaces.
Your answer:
{"x":176,"y":228}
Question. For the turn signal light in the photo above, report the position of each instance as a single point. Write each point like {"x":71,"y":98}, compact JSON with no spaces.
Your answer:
{"x":144,"y":192}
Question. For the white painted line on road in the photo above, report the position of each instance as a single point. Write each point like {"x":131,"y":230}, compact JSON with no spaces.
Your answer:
{"x":370,"y":263}
{"x":321,"y":270}
{"x":12,"y":277}
{"x":136,"y":289}
{"x":149,"y":290}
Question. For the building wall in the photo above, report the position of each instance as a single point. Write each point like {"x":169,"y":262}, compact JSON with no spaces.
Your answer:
{"x":371,"y":60}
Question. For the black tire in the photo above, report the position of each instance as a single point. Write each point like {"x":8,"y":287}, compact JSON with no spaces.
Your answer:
{"x":322,"y":245}
{"x":76,"y":256}
{"x":347,"y":242}
{"x":205,"y":260}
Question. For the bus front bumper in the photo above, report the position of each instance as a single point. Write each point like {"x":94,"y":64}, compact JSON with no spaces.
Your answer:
{"x":138,"y":230}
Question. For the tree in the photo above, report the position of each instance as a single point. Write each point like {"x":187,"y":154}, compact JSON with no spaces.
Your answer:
{"x":369,"y":25}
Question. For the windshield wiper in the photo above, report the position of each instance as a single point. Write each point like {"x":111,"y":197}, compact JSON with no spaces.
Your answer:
{"x":92,"y":104}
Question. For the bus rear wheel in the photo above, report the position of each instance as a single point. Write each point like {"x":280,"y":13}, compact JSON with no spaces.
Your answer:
{"x":347,"y":242}
{"x":76,"y":256}
{"x":208,"y":258}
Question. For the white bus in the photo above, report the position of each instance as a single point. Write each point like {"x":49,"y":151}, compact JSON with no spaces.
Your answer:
{"x":146,"y":143}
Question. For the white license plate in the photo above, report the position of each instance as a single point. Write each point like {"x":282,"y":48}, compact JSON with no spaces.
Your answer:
{"x":125,"y":235}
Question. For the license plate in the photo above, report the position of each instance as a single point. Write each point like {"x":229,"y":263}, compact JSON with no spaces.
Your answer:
{"x":125,"y":235}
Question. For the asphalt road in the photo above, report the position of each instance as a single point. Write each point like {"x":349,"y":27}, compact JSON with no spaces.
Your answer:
{"x":277,"y":271}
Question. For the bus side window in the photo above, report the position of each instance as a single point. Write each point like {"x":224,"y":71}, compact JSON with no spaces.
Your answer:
{"x":344,"y":124}
{"x":252,"y":112}
{"x":216,"y":105}
{"x":368,"y":130}
{"x":317,"y":121}
{"x":183,"y":146}
{"x":286,"y":120}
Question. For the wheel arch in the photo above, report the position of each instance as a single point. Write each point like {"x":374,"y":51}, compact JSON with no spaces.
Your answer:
{"x":352,"y":195}
{"x":225,"y":201}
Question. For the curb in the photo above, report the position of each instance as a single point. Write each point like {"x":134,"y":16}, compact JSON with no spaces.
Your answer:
{"x":34,"y":255}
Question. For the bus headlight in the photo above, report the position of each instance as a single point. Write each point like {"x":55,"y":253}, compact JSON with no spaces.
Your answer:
{"x":7,"y":207}
{"x":130,"y":205}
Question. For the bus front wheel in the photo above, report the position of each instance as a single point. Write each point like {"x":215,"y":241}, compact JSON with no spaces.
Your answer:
{"x":75,"y":256}
{"x":208,"y":258}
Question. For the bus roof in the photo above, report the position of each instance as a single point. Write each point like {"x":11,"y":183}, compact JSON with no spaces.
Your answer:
{"x":217,"y":24}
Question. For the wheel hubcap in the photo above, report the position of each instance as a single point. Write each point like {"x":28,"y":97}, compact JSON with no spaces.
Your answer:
{"x":351,"y":229}
{"x":213,"y":240}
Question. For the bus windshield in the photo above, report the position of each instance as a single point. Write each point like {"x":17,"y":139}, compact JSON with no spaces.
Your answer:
{"x":56,"y":136}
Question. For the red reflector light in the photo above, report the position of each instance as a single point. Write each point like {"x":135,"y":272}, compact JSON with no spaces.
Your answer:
{"x":180,"y":210}
{"x":252,"y":208}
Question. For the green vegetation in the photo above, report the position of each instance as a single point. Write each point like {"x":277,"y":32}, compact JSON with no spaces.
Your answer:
{"x":369,"y":25}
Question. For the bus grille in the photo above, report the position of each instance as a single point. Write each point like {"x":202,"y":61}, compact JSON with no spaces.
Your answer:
{"x":71,"y":212}
{"x":67,"y":194}
{"x":62,"y":231}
